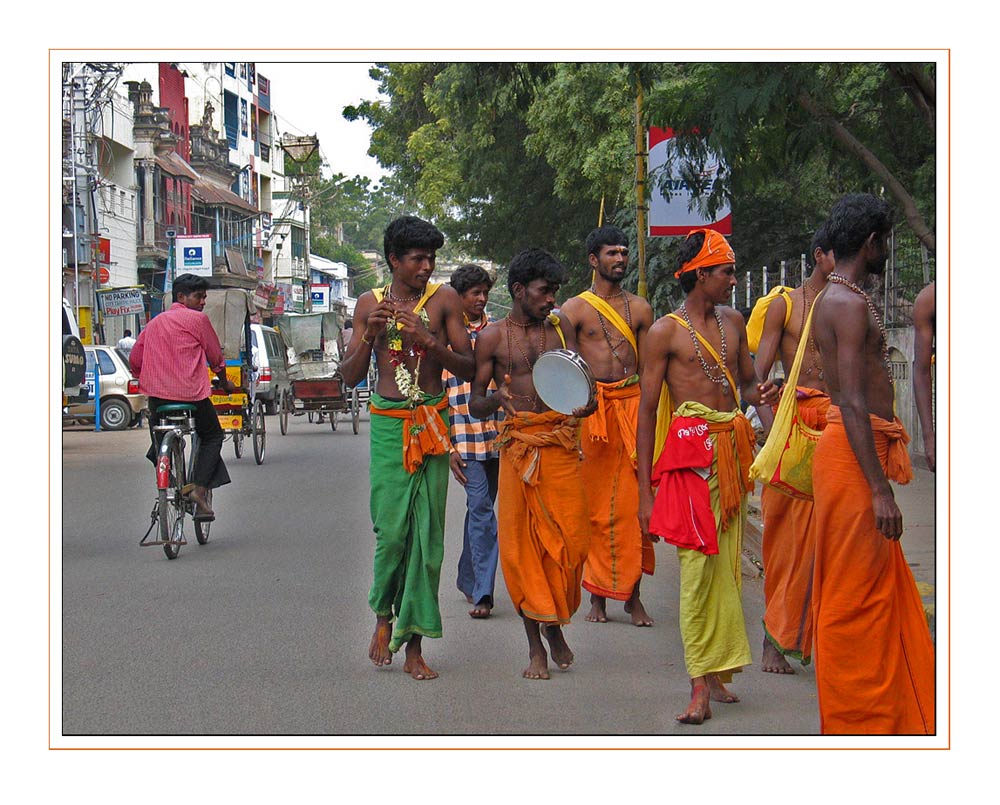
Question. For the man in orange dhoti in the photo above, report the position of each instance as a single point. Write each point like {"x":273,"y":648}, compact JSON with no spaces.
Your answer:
{"x":789,"y":538}
{"x":874,"y":654}
{"x":544,"y":530}
{"x":609,"y":324}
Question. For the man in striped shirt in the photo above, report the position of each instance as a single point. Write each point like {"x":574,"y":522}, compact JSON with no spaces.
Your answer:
{"x":169,"y":358}
{"x":475,"y":458}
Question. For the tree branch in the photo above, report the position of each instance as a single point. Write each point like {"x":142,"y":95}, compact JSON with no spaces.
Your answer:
{"x":875,"y":165}
{"x":921,"y":89}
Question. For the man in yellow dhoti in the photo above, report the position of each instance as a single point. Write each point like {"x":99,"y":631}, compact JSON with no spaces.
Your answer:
{"x":712,"y":624}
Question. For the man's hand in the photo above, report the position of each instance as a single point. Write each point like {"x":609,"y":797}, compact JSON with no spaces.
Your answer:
{"x":645,"y":512}
{"x":503,"y":393}
{"x":457,"y":464}
{"x":930,"y":454}
{"x":585,"y":410}
{"x":411,"y":323}
{"x":888,"y":517}
{"x":769,"y":393}
{"x":225,"y":384}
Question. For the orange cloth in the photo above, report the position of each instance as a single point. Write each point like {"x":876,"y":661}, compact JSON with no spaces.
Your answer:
{"x":874,"y":655}
{"x":789,"y":549}
{"x":715,"y":251}
{"x":619,"y":554}
{"x":733,"y":464}
{"x":544,"y":528}
{"x":424,"y":434}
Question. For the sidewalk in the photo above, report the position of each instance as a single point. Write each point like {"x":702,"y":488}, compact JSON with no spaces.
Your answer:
{"x":916,"y":500}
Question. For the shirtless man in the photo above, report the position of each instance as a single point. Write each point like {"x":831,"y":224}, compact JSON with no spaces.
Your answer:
{"x":703,"y":399}
{"x":789,"y":542}
{"x":415,"y":329}
{"x":874,"y":655}
{"x":923,"y":352}
{"x":610,"y":324}
{"x":544,"y":528}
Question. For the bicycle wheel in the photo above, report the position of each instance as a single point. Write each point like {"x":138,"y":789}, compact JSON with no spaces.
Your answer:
{"x":283,"y":412}
{"x":257,"y":431}
{"x":355,"y":410}
{"x":202,"y":527}
{"x":238,"y":443}
{"x":171,"y":505}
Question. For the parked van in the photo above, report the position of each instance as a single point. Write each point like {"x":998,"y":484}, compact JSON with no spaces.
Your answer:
{"x":74,"y":363}
{"x":272,"y":366}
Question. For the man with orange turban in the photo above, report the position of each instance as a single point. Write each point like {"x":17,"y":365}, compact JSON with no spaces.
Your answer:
{"x":700,"y":352}
{"x":874,"y":654}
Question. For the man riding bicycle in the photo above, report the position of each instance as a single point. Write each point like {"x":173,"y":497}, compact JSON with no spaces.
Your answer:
{"x":169,"y":358}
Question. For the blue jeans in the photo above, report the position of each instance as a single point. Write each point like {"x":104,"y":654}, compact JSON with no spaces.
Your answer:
{"x":477,"y":567}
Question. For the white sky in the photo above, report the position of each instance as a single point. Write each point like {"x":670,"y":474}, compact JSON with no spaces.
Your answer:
{"x":309,"y":98}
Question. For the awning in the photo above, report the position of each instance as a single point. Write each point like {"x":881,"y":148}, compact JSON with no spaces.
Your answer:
{"x":211,"y":194}
{"x":173,"y":164}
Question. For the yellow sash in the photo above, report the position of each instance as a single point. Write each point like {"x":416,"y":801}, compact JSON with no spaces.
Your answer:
{"x":606,"y":310}
{"x":429,"y":291}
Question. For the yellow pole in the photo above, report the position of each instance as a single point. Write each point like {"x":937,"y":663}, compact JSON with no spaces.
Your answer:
{"x":640,"y":189}
{"x":600,"y":215}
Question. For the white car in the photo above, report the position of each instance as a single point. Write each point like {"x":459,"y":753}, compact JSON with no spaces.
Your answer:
{"x":121,"y":402}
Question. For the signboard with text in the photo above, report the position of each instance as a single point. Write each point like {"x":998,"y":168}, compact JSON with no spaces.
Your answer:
{"x":320,"y":298}
{"x":120,"y":301}
{"x":193,"y":255}
{"x":673,"y":211}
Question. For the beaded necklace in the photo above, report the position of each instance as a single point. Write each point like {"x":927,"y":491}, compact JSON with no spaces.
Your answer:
{"x":814,"y":362}
{"x":710,"y":371}
{"x":840,"y":279}
{"x":604,"y":326}
{"x":532,"y":398}
{"x":392,"y":297}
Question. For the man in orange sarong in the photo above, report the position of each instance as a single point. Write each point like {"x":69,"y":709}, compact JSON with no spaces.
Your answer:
{"x":701,"y":353}
{"x":789,"y":538}
{"x":544,"y":528}
{"x":874,"y":654}
{"x":609,"y":324}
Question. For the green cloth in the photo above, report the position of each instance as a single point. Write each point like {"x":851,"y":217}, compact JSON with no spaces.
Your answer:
{"x":711,"y":606}
{"x":408,"y":516}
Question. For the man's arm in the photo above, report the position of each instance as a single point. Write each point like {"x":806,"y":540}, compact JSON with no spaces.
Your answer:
{"x":653,"y":358}
{"x":759,"y":394}
{"x":214,"y":355}
{"x":849,"y":323}
{"x":770,"y":341}
{"x":369,"y":322}
{"x":923,"y":349}
{"x":480,"y":405}
{"x":135,"y":356}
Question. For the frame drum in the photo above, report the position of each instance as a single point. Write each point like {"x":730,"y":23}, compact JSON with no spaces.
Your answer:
{"x":563,"y":380}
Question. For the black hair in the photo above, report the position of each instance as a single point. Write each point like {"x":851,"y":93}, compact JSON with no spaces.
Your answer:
{"x":127,"y":334}
{"x":469,"y":276}
{"x":821,"y":241}
{"x":688,"y":251}
{"x":853,"y":219}
{"x":605,"y":236}
{"x":532,"y":264}
{"x":187,"y":284}
{"x":409,"y":232}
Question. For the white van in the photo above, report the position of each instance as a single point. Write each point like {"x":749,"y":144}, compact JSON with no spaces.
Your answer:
{"x":270,"y":358}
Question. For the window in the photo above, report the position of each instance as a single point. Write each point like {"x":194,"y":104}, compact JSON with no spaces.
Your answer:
{"x":231,"y":117}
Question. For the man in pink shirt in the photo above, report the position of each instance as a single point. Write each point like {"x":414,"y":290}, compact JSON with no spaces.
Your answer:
{"x":169,"y":358}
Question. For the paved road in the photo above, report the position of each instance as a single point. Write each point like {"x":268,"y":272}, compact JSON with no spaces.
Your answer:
{"x":265,"y":630}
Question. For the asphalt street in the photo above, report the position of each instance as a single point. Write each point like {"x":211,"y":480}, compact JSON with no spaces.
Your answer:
{"x":265,"y":630}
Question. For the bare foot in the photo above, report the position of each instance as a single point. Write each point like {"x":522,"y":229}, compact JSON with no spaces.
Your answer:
{"x":699,"y":709}
{"x":378,"y":649}
{"x":561,"y":655}
{"x":719,"y":692}
{"x":598,"y":610}
{"x":772,"y":660}
{"x":538,"y":667}
{"x":415,"y":665}
{"x":480,"y":611}
{"x":635,"y":608}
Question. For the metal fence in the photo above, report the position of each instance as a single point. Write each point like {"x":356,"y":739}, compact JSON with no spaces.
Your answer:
{"x":910,"y":267}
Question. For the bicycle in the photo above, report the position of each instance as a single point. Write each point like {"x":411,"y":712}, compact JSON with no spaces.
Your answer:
{"x":176,"y":423}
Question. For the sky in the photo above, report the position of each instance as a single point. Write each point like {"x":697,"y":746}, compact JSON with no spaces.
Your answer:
{"x":309,"y":98}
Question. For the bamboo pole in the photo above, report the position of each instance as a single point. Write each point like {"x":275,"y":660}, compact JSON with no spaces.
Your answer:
{"x":640,"y":189}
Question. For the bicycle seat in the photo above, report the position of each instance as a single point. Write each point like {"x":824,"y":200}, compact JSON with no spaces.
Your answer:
{"x":175,"y":408}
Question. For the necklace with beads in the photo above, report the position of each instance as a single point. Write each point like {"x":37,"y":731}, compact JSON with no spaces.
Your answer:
{"x":532,"y":398}
{"x":717,"y":373}
{"x":840,"y":279}
{"x":593,"y":290}
{"x":613,"y":346}
{"x":393,"y":298}
{"x":814,"y":362}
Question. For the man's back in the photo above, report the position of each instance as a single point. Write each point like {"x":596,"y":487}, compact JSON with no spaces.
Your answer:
{"x":170,"y":355}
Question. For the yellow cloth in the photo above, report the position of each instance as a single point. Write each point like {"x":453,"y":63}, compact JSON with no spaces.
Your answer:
{"x":711,"y":607}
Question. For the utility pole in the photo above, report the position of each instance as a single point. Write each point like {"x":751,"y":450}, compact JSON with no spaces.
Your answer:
{"x":640,"y":187}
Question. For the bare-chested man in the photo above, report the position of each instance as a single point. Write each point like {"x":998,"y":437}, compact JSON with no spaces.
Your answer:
{"x":789,"y":542}
{"x":874,"y":656}
{"x":415,"y":329}
{"x":544,"y":528}
{"x":701,"y":353}
{"x":924,"y":308}
{"x":610,"y":324}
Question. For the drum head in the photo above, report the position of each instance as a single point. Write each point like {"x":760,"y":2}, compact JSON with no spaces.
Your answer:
{"x":563,"y":380}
